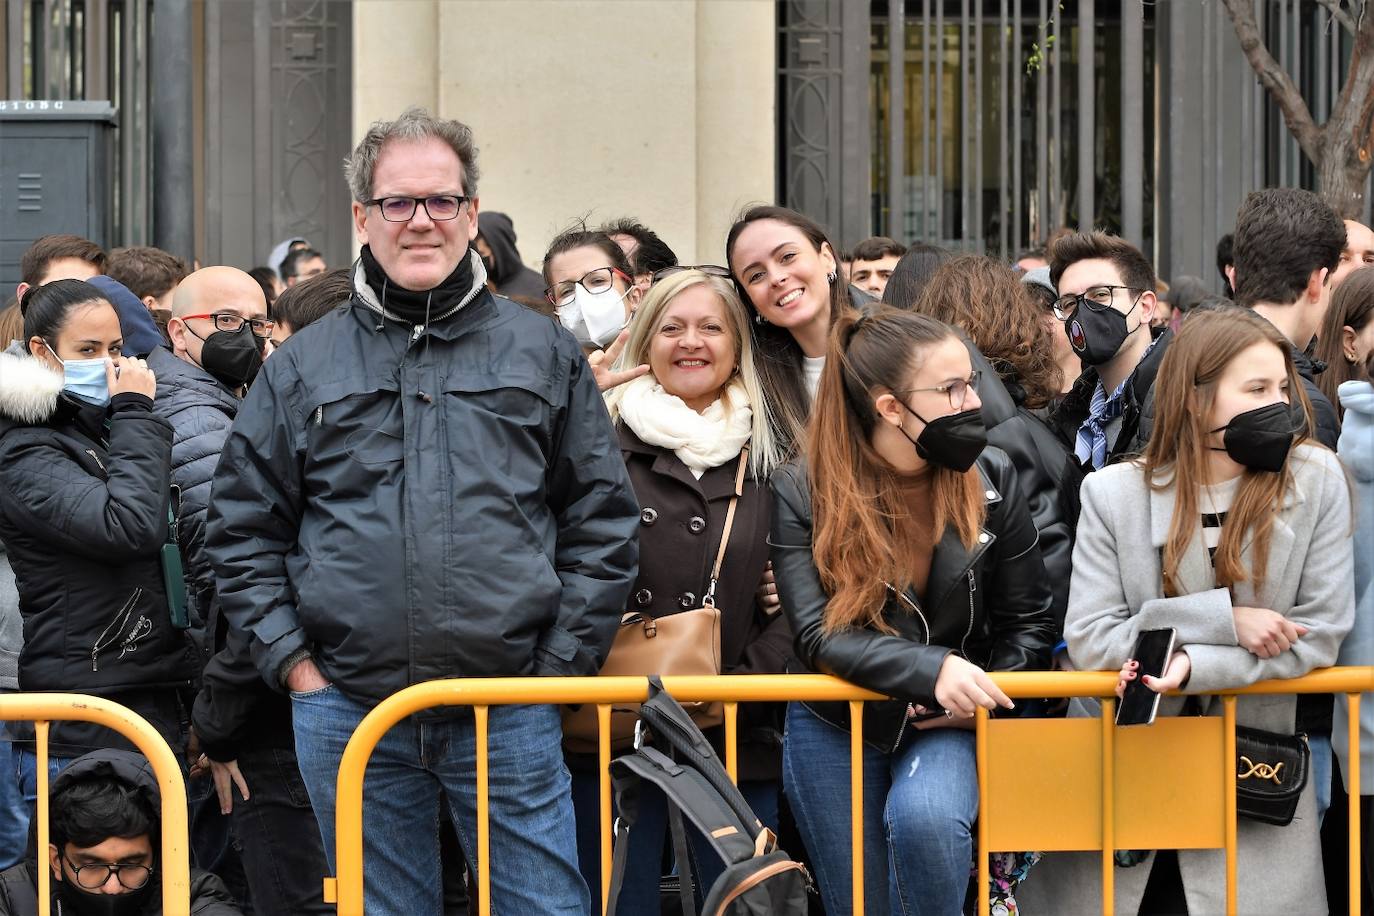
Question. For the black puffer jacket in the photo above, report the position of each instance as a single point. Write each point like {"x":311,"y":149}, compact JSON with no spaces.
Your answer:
{"x":991,"y":605}
{"x":413,"y":502}
{"x":83,"y":513}
{"x":200,"y":411}
{"x":1137,"y":415}
{"x":19,"y":885}
{"x":1046,"y":472}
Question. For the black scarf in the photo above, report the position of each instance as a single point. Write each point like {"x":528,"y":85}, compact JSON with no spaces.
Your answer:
{"x":418,"y":307}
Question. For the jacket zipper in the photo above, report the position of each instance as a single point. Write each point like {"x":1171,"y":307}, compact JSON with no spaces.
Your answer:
{"x":901,"y":596}
{"x":96,"y":458}
{"x":972,"y":587}
{"x":757,"y":878}
{"x":120,"y":618}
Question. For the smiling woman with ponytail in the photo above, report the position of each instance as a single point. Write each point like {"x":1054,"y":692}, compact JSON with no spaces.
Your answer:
{"x":907,"y":563}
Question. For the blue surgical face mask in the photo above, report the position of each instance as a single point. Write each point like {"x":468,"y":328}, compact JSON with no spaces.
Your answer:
{"x":84,"y":378}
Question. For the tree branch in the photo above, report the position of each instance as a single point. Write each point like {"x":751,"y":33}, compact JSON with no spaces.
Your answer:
{"x":1338,"y":13}
{"x":1275,"y":79}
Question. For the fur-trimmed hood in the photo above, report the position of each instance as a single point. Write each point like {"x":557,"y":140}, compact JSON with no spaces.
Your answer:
{"x":29,"y":390}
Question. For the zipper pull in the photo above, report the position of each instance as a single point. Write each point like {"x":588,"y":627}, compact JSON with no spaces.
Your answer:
{"x":319,"y":415}
{"x":96,"y":458}
{"x":972,"y":583}
{"x":419,"y":329}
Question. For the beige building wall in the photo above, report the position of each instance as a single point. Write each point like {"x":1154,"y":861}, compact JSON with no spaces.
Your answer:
{"x":659,"y":109}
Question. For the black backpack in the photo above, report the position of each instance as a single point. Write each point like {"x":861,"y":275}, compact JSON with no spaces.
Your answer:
{"x":759,"y":878}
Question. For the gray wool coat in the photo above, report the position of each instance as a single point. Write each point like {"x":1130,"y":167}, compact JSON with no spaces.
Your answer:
{"x":1117,"y":591}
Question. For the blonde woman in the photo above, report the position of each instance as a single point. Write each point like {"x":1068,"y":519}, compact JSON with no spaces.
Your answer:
{"x":684,"y":429}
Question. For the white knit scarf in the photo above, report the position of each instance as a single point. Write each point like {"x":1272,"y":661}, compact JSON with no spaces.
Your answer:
{"x":700,"y":440}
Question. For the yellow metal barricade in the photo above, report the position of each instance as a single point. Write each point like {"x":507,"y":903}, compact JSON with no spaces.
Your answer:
{"x":174,"y":868}
{"x":1130,"y":811}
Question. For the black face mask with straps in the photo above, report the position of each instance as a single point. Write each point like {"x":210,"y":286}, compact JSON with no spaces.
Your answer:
{"x":953,"y":441}
{"x":1259,"y":439}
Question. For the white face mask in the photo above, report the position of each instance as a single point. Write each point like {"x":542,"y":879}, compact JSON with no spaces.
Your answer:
{"x":594,"y":318}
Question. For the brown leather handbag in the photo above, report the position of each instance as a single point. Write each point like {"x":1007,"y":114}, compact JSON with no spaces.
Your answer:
{"x":685,"y":643}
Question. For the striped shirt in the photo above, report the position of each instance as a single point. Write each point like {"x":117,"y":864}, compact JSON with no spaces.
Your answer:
{"x":1216,"y":501}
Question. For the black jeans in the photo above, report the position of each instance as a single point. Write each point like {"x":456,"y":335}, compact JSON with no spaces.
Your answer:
{"x":283,"y":856}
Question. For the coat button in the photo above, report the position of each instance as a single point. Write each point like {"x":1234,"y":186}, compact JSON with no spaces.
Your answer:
{"x":697,"y":525}
{"x":983,"y":538}
{"x":688,"y":600}
{"x":648,"y":516}
{"x":992,"y":494}
{"x":643,"y":597}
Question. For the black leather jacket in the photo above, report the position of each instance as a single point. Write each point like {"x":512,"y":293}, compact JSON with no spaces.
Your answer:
{"x":1047,"y":472}
{"x":990,"y":604}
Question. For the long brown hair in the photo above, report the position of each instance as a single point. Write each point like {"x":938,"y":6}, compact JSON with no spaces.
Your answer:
{"x":1352,"y":306}
{"x":1176,"y":457}
{"x":778,"y":355}
{"x":854,"y":493}
{"x":990,"y":303}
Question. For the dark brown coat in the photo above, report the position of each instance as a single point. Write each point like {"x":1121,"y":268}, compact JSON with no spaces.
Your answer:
{"x":680,"y":524}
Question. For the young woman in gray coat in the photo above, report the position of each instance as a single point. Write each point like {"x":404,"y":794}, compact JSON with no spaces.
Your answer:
{"x":1236,"y":532}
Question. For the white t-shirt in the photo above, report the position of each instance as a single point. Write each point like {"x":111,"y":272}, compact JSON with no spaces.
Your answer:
{"x":811,"y":370}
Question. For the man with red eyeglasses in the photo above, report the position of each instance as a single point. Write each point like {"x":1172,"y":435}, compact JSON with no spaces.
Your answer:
{"x":219,"y":333}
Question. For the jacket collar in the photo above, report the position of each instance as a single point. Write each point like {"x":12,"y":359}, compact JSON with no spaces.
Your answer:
{"x":29,"y":390}
{"x":716,"y":483}
{"x":184,"y":381}
{"x":951,"y":560}
{"x":439,"y":322}
{"x":1195,"y":568}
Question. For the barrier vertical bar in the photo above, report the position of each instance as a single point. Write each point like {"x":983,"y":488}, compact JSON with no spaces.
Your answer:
{"x":1228,"y":704}
{"x":984,"y":872}
{"x":1352,"y":785}
{"x":1108,"y":807}
{"x":603,"y":752}
{"x":732,"y":741}
{"x":479,"y":714}
{"x":40,"y":748}
{"x":856,"y":801}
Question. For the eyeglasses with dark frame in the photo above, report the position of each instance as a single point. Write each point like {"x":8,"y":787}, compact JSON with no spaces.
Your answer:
{"x":228,"y":321}
{"x":1096,"y":298}
{"x":94,"y":875}
{"x":711,"y":270}
{"x":440,"y":207}
{"x":593,"y":281}
{"x":957,"y":390}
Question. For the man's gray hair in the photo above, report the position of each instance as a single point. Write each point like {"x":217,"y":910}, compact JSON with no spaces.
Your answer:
{"x":414,"y":124}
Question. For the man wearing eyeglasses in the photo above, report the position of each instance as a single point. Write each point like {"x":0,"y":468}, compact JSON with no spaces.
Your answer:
{"x":427,"y":486}
{"x":219,"y":333}
{"x":1106,"y":301}
{"x":104,"y":824}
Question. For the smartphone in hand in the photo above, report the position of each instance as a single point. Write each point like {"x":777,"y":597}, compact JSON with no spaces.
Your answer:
{"x":1153,"y":649}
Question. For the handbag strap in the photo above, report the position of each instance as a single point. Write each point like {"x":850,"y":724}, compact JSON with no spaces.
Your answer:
{"x":710,"y":599}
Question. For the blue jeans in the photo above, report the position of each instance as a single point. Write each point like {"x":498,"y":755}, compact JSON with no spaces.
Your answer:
{"x":14,"y":814}
{"x":920,"y":805}
{"x":26,"y":765}
{"x":424,"y":767}
{"x":1320,"y":747}
{"x":639,"y":893}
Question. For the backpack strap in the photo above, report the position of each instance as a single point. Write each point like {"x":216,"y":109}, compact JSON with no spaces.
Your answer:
{"x":673,"y":726}
{"x":682,"y":855}
{"x":689,"y":791}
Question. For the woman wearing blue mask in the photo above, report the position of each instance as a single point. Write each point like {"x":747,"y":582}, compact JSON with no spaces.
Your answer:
{"x":84,"y":516}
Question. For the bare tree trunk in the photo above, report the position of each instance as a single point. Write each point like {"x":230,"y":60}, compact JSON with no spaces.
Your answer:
{"x":1341,"y":148}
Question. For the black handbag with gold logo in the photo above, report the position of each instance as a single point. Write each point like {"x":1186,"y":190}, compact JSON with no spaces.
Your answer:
{"x":1270,"y":776}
